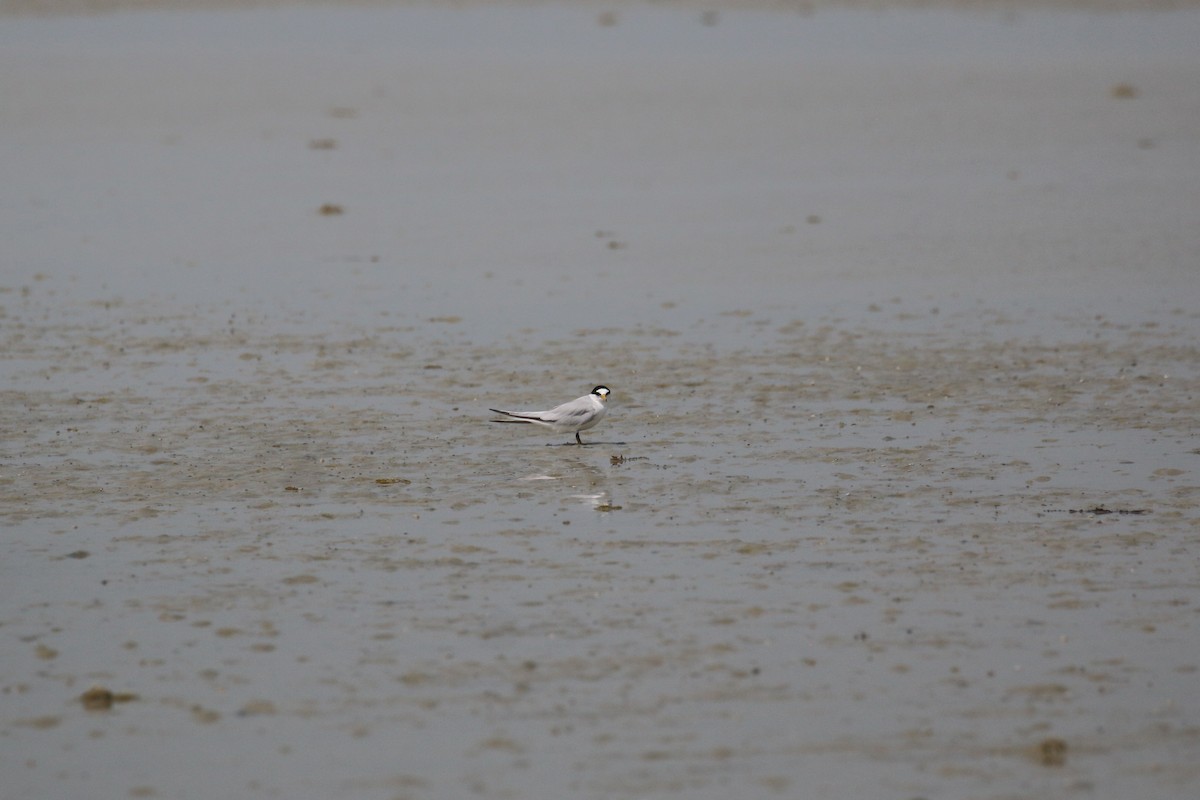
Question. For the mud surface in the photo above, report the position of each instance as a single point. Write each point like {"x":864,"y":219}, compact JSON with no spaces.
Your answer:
{"x":860,"y":523}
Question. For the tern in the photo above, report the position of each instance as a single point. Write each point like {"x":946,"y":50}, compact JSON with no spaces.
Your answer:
{"x":572,"y":417}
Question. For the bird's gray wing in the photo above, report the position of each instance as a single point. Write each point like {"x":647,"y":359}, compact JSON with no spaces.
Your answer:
{"x":521,"y":416}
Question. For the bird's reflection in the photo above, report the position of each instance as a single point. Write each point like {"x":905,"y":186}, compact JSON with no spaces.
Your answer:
{"x":586,"y":482}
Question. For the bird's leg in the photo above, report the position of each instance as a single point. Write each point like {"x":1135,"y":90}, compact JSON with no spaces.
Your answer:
{"x":577,"y":439}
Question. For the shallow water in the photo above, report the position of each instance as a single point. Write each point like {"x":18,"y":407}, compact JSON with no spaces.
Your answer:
{"x":860,"y":523}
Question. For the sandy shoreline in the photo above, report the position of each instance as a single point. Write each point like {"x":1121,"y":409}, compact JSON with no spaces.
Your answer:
{"x":898,"y":495}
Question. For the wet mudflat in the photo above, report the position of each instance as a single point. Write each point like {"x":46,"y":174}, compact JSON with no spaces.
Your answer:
{"x":831,"y":552}
{"x":860,"y":523}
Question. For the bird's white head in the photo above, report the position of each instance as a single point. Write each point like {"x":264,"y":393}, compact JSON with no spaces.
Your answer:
{"x":601,"y":392}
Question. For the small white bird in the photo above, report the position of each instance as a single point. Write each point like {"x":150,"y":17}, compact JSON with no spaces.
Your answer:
{"x":578,"y":415}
